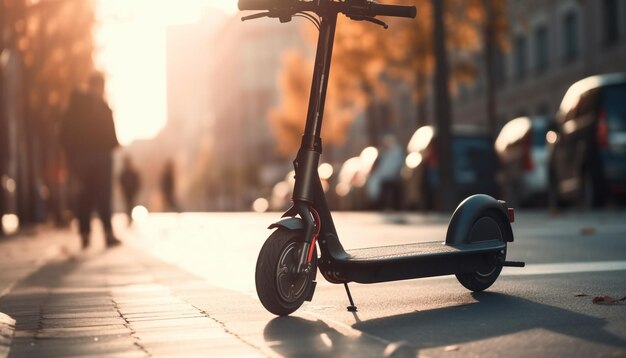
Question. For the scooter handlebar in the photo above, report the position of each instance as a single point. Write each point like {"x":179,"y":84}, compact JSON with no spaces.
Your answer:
{"x":370,"y":8}
{"x":392,"y":10}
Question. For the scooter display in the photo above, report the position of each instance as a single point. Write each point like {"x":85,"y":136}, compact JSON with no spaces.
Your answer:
{"x":478,"y":233}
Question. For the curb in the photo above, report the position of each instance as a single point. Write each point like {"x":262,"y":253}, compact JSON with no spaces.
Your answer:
{"x":7,"y":327}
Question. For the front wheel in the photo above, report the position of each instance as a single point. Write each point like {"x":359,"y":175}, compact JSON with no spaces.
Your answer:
{"x":280,"y":288}
{"x":483,"y":279}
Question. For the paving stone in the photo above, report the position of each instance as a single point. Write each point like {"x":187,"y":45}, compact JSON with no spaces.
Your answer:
{"x":119,"y":303}
{"x":184,"y":311}
{"x":205,"y":350}
{"x":169,"y":316}
{"x":141,"y":309}
{"x":80,"y":322}
{"x":117,"y":329}
{"x":76,"y":310}
{"x":88,"y":314}
{"x":59,"y":348}
{"x":163,"y":335}
{"x":195,"y":323}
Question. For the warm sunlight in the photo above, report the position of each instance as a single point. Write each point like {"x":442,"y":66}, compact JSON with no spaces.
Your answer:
{"x":131,"y":51}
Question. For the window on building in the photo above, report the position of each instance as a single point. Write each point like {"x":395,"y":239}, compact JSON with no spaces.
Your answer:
{"x":541,"y":49}
{"x":611,"y":21}
{"x":570,"y":36}
{"x":520,"y":54}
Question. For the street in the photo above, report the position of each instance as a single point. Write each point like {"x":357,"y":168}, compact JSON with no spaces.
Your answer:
{"x":543,"y":310}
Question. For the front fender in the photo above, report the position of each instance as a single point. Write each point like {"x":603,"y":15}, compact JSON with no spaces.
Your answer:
{"x":470,"y":210}
{"x":288,"y":223}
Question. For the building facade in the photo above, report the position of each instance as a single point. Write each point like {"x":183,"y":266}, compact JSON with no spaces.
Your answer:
{"x":244,"y":89}
{"x":552,"y":45}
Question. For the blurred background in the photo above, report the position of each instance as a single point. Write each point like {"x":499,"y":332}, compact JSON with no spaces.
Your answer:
{"x":224,"y":102}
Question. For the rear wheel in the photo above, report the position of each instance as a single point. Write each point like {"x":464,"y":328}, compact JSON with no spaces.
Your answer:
{"x":281,"y":289}
{"x":493,"y":226}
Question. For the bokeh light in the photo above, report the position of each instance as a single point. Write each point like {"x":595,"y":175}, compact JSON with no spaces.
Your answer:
{"x":139,"y":213}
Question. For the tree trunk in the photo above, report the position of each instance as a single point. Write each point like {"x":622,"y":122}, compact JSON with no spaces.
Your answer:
{"x":488,"y":38}
{"x":442,"y":112}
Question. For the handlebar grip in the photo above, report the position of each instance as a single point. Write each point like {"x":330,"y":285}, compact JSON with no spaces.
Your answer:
{"x":391,"y":10}
{"x":256,"y":4}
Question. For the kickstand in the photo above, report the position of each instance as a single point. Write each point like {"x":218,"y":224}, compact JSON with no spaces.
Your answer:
{"x":352,"y":307}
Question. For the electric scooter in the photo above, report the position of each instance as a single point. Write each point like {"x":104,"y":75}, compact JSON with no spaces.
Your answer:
{"x":479,"y":230}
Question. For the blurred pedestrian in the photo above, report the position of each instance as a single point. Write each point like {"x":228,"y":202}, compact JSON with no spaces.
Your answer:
{"x":130,"y":182}
{"x":388,"y":174}
{"x":88,"y":137}
{"x":168,"y":186}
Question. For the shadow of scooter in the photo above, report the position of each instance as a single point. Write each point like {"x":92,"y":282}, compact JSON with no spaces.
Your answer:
{"x":493,"y":315}
{"x":298,"y":337}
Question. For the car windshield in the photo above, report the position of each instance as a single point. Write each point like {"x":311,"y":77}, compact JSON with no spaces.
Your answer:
{"x":615,"y":107}
{"x":540,"y":128}
{"x":473,"y":153}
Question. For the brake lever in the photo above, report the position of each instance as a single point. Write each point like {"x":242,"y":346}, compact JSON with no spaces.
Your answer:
{"x":256,"y":16}
{"x":369,"y":19}
{"x":281,"y":16}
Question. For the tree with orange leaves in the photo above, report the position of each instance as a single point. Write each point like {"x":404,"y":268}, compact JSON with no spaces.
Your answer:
{"x":362,"y":52}
{"x":53,"y":42}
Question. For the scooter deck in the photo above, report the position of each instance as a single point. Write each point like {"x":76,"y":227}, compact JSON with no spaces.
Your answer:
{"x":434,"y":248}
{"x":401,"y":262}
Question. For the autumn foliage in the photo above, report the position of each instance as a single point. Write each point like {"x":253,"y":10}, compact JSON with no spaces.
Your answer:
{"x":363,"y":52}
{"x":50,"y":46}
{"x":54,"y":39}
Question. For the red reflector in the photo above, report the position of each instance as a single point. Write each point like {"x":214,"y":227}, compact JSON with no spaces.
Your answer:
{"x":511,"y":213}
{"x":527,"y":161}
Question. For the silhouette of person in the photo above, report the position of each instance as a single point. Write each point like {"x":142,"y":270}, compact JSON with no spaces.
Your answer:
{"x":130,"y":182}
{"x":387,"y":174}
{"x":88,"y":137}
{"x":168,"y":186}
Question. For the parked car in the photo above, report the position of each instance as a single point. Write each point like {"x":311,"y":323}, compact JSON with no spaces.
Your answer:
{"x":475,"y":165}
{"x":521,"y":147}
{"x":352,"y":180}
{"x":587,"y":142}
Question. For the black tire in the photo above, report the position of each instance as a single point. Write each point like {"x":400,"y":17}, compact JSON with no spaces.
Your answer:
{"x":481,"y":280}
{"x":280,"y":289}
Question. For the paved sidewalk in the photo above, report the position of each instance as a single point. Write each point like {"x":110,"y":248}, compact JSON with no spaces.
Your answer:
{"x":114,"y":303}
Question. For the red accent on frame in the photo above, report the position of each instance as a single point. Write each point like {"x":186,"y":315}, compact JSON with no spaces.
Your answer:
{"x":319,"y":227}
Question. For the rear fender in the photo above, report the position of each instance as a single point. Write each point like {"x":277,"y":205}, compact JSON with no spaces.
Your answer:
{"x":470,"y":210}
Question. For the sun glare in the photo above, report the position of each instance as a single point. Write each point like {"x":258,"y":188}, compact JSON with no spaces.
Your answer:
{"x":131,"y":50}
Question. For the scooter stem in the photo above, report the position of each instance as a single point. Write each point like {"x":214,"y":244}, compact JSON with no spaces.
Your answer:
{"x":317,"y":97}
{"x":307,"y":160}
{"x":305,"y":165}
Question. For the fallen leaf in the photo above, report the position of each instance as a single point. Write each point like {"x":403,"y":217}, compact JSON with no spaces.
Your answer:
{"x":581,"y":295}
{"x":587,"y":231}
{"x":451,"y":348}
{"x":608,"y":300}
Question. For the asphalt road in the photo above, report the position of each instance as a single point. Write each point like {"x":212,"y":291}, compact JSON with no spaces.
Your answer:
{"x":543,"y":310}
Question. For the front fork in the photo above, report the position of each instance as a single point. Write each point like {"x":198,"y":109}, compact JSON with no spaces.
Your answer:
{"x":307,"y":178}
